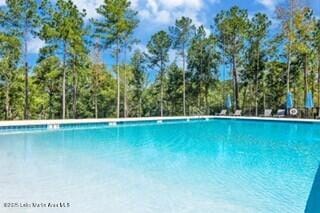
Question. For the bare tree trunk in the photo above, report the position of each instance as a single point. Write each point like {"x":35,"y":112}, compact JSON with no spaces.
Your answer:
{"x":140,"y":107}
{"x":7,"y":102}
{"x":235,"y":83}
{"x":244,"y":99}
{"x":288,"y":73}
{"x":264,"y":100}
{"x":26,"y":75}
{"x":118,"y":78}
{"x":125,"y":85}
{"x":50,"y":105}
{"x":305,"y":82}
{"x":96,"y":106}
{"x":74,"y":96}
{"x":161,"y":95}
{"x":289,"y":53}
{"x":184,"y":80}
{"x":64,"y":82}
{"x":206,"y":99}
{"x":256,"y":81}
{"x":312,"y":81}
{"x":96,"y":69}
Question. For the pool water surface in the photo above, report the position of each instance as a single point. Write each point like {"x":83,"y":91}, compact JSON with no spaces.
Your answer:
{"x":217,"y":166}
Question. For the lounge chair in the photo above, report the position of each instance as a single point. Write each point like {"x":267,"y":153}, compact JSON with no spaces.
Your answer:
{"x":280,"y":113}
{"x":237,"y":112}
{"x":222,"y":113}
{"x":267,"y":113}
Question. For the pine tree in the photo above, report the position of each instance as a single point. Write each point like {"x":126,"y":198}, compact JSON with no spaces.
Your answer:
{"x":158,"y":49}
{"x":21,"y":19}
{"x":181,"y":34}
{"x":232,"y":28}
{"x":9,"y":59}
{"x":138,"y":81}
{"x":62,"y":29}
{"x":113,"y":29}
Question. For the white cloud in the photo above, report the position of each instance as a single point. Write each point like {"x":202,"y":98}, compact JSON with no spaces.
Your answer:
{"x":153,"y":11}
{"x":140,"y":47}
{"x":2,"y":2}
{"x":165,"y":12}
{"x":134,"y":3}
{"x":89,"y":5}
{"x":152,"y":5}
{"x":163,"y":16}
{"x":35,"y":44}
{"x":270,"y":4}
{"x":196,"y":4}
{"x":144,"y":14}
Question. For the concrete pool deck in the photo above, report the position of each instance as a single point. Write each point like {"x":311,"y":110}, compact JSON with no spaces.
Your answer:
{"x":116,"y":120}
{"x":302,"y":120}
{"x":99,"y":120}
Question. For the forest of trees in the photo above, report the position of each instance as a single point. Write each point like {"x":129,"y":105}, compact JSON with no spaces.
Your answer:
{"x":243,"y":56}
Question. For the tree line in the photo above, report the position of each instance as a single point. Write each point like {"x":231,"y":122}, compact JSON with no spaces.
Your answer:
{"x":242,"y":56}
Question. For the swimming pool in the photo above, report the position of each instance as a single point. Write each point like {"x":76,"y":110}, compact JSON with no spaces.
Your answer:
{"x":219,"y":165}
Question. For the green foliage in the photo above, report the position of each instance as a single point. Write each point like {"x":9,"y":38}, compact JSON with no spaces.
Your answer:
{"x":9,"y":58}
{"x":64,"y":34}
{"x":174,"y":89}
{"x":203,"y":60}
{"x":137,"y":83}
{"x":256,"y":58}
{"x":117,"y":23}
{"x":21,"y":18}
{"x":158,"y":49}
{"x":232,"y":30}
{"x":182,"y":34}
{"x":115,"y":29}
{"x":70,"y":79}
{"x":48,"y":77}
{"x":275,"y":80}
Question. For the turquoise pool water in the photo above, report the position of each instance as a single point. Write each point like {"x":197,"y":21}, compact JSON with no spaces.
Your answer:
{"x":216,"y":166}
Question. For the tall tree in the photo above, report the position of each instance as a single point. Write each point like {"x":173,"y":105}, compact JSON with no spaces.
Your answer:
{"x":128,"y":42}
{"x":158,"y":49}
{"x":181,"y":34}
{"x":78,"y":62}
{"x":203,"y":62}
{"x":138,"y":81}
{"x":97,"y":68}
{"x":62,"y":29}
{"x":21,"y":18}
{"x":275,"y":82}
{"x":256,"y":53}
{"x":316,"y":46}
{"x":174,"y":89}
{"x":9,"y":58}
{"x":304,"y":24}
{"x":285,"y":14}
{"x":48,"y":77}
{"x":232,"y":28}
{"x":117,"y":23}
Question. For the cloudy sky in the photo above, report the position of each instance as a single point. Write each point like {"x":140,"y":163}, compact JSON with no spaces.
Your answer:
{"x":156,"y":15}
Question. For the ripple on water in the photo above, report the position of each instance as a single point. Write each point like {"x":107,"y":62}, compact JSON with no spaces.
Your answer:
{"x":204,"y":166}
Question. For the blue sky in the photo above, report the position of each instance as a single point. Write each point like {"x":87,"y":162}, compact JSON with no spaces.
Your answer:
{"x":156,"y":15}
